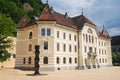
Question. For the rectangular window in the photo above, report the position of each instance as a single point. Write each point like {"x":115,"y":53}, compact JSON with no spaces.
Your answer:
{"x":70,"y":48}
{"x":90,"y":49}
{"x":75,"y":37}
{"x":57,"y":34}
{"x":95,"y":50}
{"x":69,"y":36}
{"x":48,"y":31}
{"x":64,"y":35}
{"x":43,"y":32}
{"x":64,"y":47}
{"x":99,"y":51}
{"x":46,"y":45}
{"x":58,"y":47}
{"x":85,"y":50}
{"x":75,"y":48}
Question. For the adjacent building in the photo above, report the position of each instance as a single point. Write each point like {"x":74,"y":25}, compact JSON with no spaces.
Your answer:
{"x":10,"y":63}
{"x":115,"y":43}
{"x":65,"y":42}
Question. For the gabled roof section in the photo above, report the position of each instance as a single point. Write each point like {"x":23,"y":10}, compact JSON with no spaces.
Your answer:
{"x":104,"y":33}
{"x":81,"y":20}
{"x":49,"y":14}
{"x":46,"y":15}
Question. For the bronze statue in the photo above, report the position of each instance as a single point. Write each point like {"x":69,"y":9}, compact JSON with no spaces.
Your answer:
{"x":37,"y":52}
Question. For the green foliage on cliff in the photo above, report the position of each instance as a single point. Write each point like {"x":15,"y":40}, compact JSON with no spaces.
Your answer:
{"x":11,"y":12}
{"x":14,"y":8}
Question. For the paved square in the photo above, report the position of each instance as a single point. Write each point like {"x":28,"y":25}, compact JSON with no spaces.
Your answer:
{"x":110,"y":73}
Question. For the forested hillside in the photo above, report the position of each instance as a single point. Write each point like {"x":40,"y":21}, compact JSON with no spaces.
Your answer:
{"x":14,"y":9}
{"x":11,"y":12}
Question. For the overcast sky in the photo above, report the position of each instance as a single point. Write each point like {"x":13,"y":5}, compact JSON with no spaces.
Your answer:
{"x":100,"y":12}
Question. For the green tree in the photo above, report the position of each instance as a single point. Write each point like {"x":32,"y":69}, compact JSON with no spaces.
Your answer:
{"x":116,"y":58}
{"x":7,"y":27}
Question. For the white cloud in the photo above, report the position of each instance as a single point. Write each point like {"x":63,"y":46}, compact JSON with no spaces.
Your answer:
{"x":105,"y":12}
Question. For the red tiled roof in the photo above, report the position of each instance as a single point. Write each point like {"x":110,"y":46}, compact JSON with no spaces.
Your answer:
{"x":81,"y":20}
{"x":49,"y":15}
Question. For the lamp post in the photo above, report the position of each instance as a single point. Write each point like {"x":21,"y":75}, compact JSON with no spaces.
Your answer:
{"x":37,"y":52}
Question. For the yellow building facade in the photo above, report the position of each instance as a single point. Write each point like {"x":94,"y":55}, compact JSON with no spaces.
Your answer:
{"x":65,"y":43}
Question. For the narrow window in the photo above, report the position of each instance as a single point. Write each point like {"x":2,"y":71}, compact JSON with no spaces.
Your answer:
{"x":30,"y":35}
{"x":86,"y":38}
{"x":75,"y":48}
{"x":69,"y":36}
{"x":85,"y":49}
{"x":75,"y":37}
{"x":24,"y":60}
{"x":99,"y":51}
{"x":95,"y":50}
{"x":45,"y":60}
{"x":46,"y":45}
{"x":103,"y":60}
{"x":29,"y":60}
{"x":43,"y":32}
{"x":70,"y":60}
{"x":64,"y":47}
{"x":100,"y":60}
{"x":57,"y":60}
{"x":64,"y":60}
{"x":64,"y":36}
{"x":70,"y":48}
{"x":58,"y":47}
{"x":58,"y":34}
{"x":75,"y":60}
{"x":92,"y":39}
{"x":30,"y":47}
{"x":83,"y":37}
{"x":48,"y":31}
{"x":89,"y":39}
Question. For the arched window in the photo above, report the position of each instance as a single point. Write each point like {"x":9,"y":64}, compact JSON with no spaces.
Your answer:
{"x":57,"y":60}
{"x":30,"y":47}
{"x":70,"y":60}
{"x":64,"y":60}
{"x":24,"y":60}
{"x":89,"y":30}
{"x":30,"y":35}
{"x":29,"y":60}
{"x":45,"y":59}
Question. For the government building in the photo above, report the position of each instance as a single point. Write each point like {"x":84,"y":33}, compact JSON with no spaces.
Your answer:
{"x":66,"y":43}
